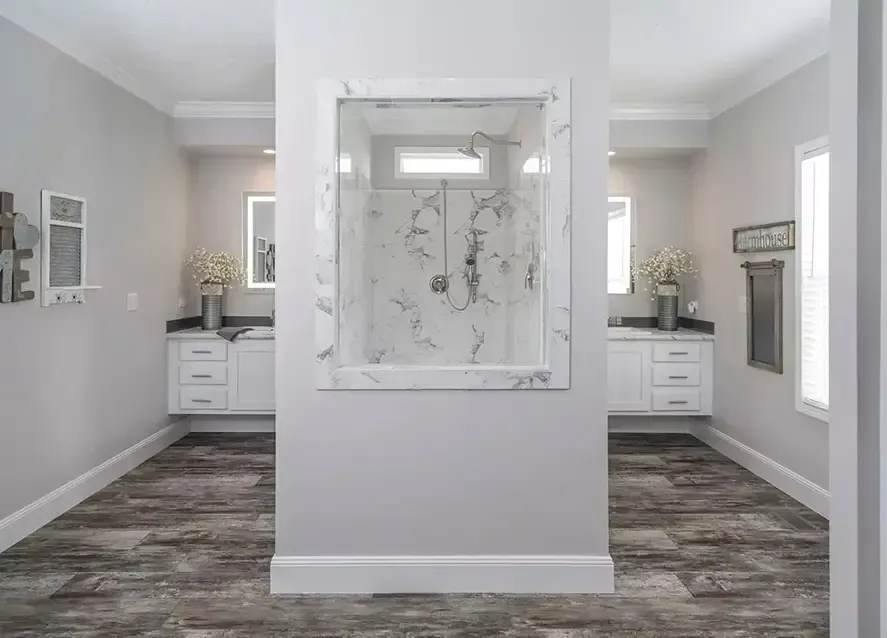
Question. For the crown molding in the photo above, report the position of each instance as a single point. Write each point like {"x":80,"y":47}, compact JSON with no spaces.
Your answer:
{"x":226,"y":110}
{"x":642,"y":111}
{"x":798,"y":54}
{"x":45,"y":27}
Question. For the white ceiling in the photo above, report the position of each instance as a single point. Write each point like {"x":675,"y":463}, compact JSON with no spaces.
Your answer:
{"x":663,"y":51}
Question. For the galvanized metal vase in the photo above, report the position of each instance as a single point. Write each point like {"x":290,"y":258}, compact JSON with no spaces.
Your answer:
{"x":211,"y":307}
{"x":667,"y":306}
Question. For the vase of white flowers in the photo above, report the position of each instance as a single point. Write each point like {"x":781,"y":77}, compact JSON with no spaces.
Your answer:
{"x":214,"y":272}
{"x":663,"y":271}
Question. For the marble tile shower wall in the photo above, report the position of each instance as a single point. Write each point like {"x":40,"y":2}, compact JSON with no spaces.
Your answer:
{"x":411,"y":325}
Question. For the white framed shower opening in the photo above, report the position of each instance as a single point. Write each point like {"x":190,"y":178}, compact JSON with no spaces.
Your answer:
{"x":338,"y":334}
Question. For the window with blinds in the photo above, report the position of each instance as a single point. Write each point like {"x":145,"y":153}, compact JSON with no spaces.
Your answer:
{"x":812,"y":279}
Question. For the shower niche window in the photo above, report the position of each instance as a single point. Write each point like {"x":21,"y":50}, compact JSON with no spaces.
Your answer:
{"x":442,"y":261}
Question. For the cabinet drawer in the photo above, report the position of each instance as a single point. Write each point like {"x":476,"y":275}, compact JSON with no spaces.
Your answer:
{"x":676,"y":400}
{"x":203,"y":398}
{"x":203,"y":351}
{"x":676,"y":351}
{"x":203,"y":373}
{"x":671,"y":374}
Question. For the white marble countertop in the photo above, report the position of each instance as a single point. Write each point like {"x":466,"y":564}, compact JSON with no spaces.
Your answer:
{"x":262,"y":332}
{"x":652,"y":334}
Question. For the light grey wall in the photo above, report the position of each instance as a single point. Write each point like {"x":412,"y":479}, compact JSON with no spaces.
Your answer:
{"x":81,"y":383}
{"x":747,"y":177}
{"x":231,"y":133}
{"x":440,"y":472}
{"x":218,"y":218}
{"x":660,"y":198}
{"x":383,"y":162}
{"x":666,"y":134}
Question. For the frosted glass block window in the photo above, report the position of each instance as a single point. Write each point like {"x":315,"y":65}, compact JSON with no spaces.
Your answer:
{"x":64,"y":248}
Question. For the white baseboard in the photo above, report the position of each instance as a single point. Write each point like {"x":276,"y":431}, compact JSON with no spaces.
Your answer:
{"x":32,"y":517}
{"x":807,"y":492}
{"x":441,"y":574}
{"x":232,"y":424}
{"x":647,"y":424}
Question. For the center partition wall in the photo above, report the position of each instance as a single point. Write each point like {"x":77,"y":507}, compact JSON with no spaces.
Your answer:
{"x":439,"y":490}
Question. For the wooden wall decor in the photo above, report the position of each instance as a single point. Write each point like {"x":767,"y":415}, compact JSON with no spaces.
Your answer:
{"x":17,"y":241}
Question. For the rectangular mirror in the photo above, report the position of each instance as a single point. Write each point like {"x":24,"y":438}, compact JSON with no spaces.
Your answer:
{"x":764,"y":300}
{"x":619,"y":246}
{"x":259,"y":247}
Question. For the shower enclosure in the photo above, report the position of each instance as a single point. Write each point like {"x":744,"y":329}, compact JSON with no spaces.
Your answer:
{"x":443,"y":221}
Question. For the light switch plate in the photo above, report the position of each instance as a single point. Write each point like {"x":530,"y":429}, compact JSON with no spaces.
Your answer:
{"x":132,"y":301}
{"x":743,"y":305}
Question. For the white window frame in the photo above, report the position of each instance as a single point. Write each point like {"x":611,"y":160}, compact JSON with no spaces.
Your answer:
{"x":399,"y":151}
{"x":629,"y":214}
{"x":50,"y":295}
{"x":809,"y":150}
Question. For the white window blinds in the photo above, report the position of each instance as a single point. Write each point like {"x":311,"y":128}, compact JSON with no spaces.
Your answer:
{"x":812,"y":281}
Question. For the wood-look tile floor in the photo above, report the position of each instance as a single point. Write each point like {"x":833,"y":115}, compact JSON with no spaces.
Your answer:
{"x":181,"y":547}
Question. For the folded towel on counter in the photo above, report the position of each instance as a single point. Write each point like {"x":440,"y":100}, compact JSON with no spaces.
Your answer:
{"x":231,"y":333}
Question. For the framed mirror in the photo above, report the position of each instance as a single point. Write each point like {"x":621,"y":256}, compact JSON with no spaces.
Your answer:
{"x":259,"y":246}
{"x":620,"y":246}
{"x":764,"y":314}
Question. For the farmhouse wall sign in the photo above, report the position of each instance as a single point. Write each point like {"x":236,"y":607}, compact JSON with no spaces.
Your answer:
{"x":764,"y":238}
{"x":17,"y":240}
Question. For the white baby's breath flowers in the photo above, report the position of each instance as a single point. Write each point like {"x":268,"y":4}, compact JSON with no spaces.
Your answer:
{"x":220,"y":269}
{"x":664,"y":267}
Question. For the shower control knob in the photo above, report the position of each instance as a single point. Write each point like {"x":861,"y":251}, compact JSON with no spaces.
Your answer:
{"x":439,"y":284}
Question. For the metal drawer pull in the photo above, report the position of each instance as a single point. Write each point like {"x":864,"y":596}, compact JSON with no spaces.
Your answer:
{"x":208,"y":401}
{"x":671,"y":376}
{"x":209,"y":376}
{"x":210,"y":352}
{"x":677,"y":403}
{"x":684,"y":353}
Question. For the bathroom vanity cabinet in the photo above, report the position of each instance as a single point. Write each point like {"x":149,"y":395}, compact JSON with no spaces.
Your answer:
{"x":650,"y":372}
{"x":209,"y":375}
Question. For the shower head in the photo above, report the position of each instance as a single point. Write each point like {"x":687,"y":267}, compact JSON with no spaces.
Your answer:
{"x":469,"y":151}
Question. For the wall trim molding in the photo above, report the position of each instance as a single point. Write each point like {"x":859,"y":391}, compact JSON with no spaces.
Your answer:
{"x":799,"y":488}
{"x":225,"y":110}
{"x":32,"y":517}
{"x":796,"y":55}
{"x":643,"y":111}
{"x":441,"y":574}
{"x":231,"y":424}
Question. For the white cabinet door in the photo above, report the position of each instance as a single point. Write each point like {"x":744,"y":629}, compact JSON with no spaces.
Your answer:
{"x":252,"y":365}
{"x":629,"y":376}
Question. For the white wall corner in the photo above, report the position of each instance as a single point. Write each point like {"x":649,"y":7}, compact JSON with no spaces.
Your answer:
{"x":442,"y":574}
{"x":32,"y":517}
{"x":34,"y":20}
{"x":226,"y":110}
{"x":640,"y":111}
{"x":799,"y":488}
{"x":798,"y":54}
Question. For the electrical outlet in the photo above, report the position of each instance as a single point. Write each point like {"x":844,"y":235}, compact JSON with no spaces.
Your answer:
{"x":132,"y":302}
{"x":743,"y":305}
{"x":182,"y":302}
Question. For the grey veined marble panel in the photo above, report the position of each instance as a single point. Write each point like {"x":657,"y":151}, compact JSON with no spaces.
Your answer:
{"x":378,"y":323}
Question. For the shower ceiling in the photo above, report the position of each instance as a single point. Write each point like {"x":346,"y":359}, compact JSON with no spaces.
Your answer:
{"x":440,"y":119}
